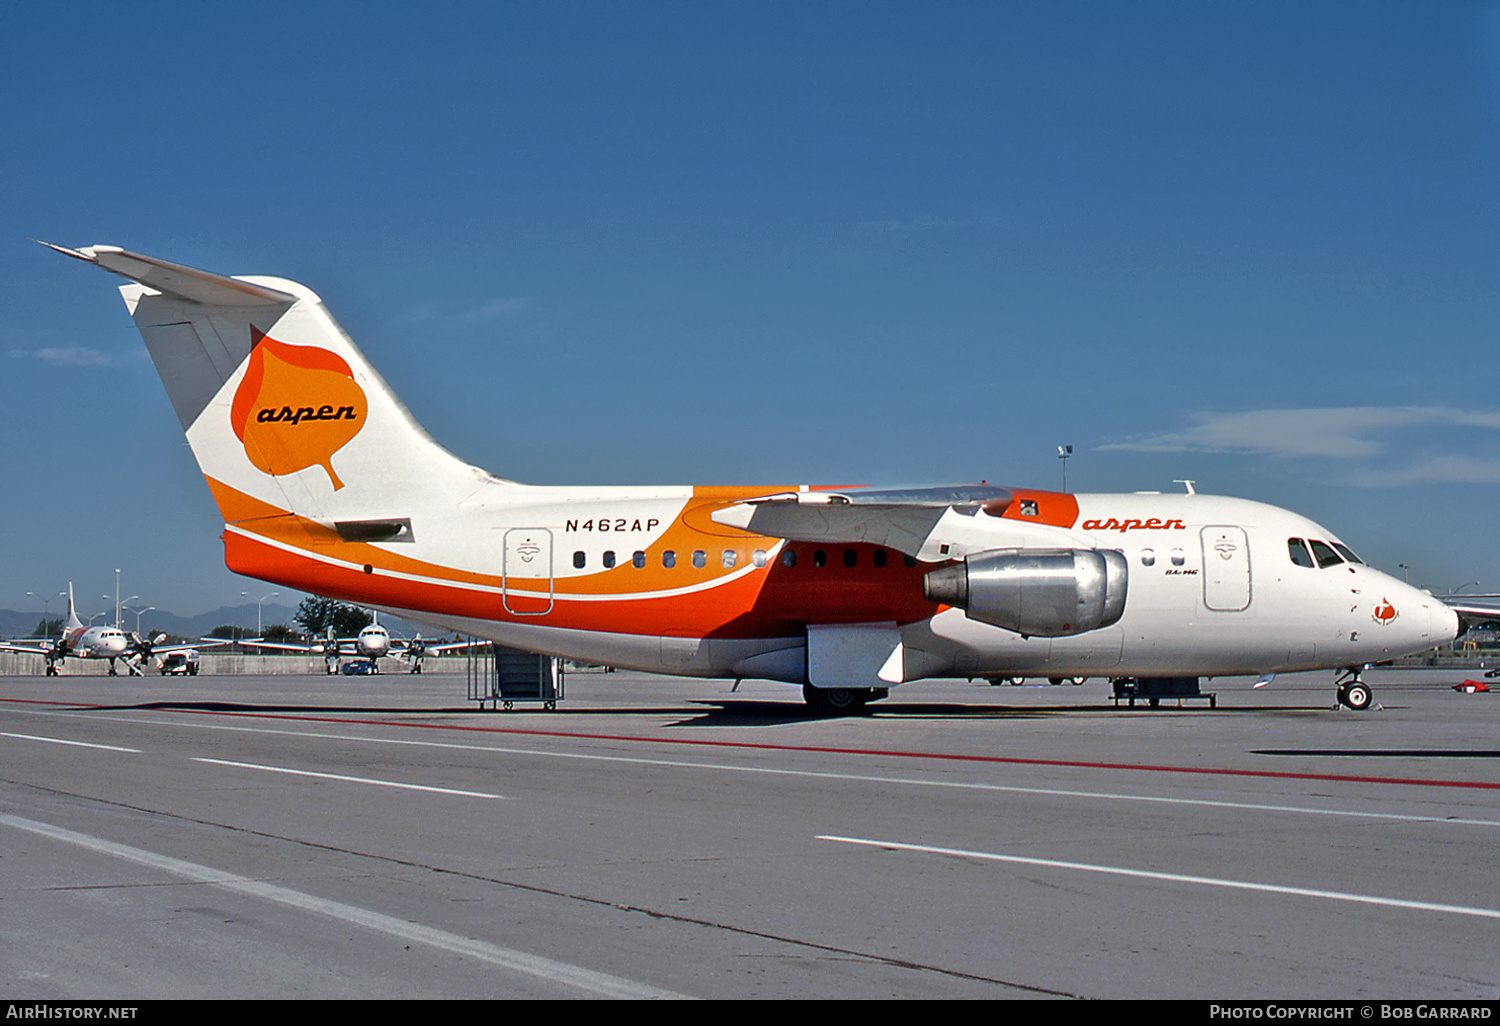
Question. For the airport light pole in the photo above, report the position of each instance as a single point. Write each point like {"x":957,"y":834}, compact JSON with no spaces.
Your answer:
{"x":126,"y":606}
{"x":259,"y":630}
{"x":1063,"y":452}
{"x":118,"y":603}
{"x":46,"y":605}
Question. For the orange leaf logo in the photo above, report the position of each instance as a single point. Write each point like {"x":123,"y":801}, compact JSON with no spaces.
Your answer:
{"x":295,"y":407}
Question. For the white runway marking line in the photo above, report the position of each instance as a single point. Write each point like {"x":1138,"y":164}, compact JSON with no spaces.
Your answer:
{"x":1144,"y":874}
{"x":353,"y":780}
{"x":816,"y":774}
{"x":532,"y":965}
{"x":80,"y":744}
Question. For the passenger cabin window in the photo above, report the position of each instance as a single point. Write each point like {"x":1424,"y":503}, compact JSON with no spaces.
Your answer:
{"x":820,"y":558}
{"x":878,"y":557}
{"x":851,"y":557}
{"x":669,"y":559}
{"x":1148,"y":557}
{"x":1297,"y":549}
{"x":730,"y":558}
{"x":789,"y":557}
{"x":758,"y":557}
{"x":578,"y":560}
{"x":700,"y":558}
{"x":638,"y":559}
{"x":1324,"y":554}
{"x":609,"y":559}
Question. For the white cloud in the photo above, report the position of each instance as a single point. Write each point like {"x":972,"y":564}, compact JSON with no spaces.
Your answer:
{"x":73,"y":356}
{"x":1377,"y":446}
{"x":495,"y":308}
{"x":498,"y":308}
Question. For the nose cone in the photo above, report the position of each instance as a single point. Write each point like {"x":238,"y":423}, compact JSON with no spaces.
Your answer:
{"x":1433,"y":623}
{"x":1446,"y":624}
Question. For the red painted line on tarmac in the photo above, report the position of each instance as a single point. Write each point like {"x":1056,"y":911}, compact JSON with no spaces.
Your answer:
{"x":867,"y":752}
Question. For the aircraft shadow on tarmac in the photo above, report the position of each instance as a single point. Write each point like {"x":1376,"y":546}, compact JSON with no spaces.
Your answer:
{"x":720,"y":712}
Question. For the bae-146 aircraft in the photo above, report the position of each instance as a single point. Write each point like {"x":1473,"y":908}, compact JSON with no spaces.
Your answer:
{"x":327,"y":484}
{"x":81,"y":641}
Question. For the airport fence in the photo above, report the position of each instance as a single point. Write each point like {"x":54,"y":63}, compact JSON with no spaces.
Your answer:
{"x":21,"y":664}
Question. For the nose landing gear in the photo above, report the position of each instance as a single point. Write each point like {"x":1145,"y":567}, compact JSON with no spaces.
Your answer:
{"x":1354,"y":693}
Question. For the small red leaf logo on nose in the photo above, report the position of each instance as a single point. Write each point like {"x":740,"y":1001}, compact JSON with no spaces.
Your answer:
{"x":1385,"y":612}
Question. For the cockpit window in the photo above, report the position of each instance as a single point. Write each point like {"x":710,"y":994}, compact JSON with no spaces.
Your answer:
{"x":1326,"y":556}
{"x":1298,"y":549}
{"x":1346,"y":552}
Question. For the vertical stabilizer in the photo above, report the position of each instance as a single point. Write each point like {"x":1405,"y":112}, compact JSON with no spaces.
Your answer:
{"x":281,"y":409}
{"x":72,"y":622}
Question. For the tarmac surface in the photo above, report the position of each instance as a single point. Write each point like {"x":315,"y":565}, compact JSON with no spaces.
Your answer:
{"x":380,"y":837}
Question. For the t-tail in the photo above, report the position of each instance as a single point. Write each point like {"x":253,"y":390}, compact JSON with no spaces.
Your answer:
{"x":282,"y":411}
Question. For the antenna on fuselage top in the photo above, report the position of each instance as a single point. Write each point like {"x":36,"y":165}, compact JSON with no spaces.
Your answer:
{"x":1187,"y":484}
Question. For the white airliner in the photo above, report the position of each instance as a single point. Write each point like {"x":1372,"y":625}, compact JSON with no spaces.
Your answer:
{"x":327,"y":484}
{"x":81,"y":641}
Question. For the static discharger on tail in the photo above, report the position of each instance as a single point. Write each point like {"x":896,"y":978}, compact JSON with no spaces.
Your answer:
{"x":326,"y":484}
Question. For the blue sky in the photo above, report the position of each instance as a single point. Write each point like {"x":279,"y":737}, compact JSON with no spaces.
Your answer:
{"x":1249,"y":244}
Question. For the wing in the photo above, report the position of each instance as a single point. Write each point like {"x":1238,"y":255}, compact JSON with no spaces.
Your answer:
{"x":1474,"y":608}
{"x":12,"y":646}
{"x":454,"y":646}
{"x":163,"y":650}
{"x":322,"y":646}
{"x":930,"y":524}
{"x":275,"y":646}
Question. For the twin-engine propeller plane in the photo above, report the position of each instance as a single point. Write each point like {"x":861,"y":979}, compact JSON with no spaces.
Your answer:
{"x":328,"y":485}
{"x":372,"y":643}
{"x":80,"y":641}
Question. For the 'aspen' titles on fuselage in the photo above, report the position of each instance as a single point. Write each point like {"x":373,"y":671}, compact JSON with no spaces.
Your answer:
{"x":1132,"y":524}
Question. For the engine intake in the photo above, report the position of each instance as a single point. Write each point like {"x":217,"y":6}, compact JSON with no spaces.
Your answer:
{"x":1048,"y":593}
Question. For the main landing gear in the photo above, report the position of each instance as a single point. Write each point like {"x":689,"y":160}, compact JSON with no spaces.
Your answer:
{"x":1354,"y":693}
{"x":839,"y":701}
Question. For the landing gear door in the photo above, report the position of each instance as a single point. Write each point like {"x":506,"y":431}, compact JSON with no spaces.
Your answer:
{"x":527,"y":572}
{"x":1226,"y":569}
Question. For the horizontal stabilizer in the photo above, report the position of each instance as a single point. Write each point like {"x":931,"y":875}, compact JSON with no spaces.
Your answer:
{"x":178,"y":281}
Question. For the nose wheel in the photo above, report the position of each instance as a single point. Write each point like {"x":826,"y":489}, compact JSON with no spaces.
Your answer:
{"x":1354,"y":693}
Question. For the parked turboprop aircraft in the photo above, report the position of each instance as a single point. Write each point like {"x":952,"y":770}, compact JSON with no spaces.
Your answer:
{"x":326,"y":484}
{"x":371,"y":644}
{"x":81,"y":641}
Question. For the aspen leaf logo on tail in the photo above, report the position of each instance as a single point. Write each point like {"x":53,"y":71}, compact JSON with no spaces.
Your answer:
{"x":295,"y":407}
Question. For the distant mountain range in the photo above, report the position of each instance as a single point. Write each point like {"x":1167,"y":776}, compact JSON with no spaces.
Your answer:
{"x":14,"y":624}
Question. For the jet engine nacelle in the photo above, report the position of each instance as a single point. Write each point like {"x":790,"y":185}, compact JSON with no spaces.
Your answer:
{"x":1048,"y":593}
